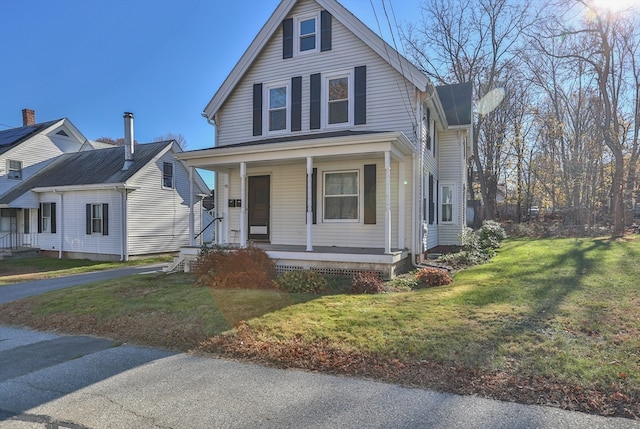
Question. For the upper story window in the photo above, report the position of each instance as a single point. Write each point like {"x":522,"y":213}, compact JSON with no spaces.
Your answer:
{"x":14,"y":169}
{"x":167,"y":175}
{"x":339,"y":99}
{"x":426,"y":129}
{"x":307,"y":33}
{"x":341,"y":195}
{"x":278,"y":102}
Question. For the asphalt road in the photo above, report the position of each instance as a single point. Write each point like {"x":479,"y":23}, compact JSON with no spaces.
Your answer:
{"x":79,"y":382}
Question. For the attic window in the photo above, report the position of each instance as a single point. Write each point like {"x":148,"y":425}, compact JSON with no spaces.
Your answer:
{"x":62,"y":133}
{"x":307,"y":33}
{"x":14,"y":169}
{"x":167,"y":175}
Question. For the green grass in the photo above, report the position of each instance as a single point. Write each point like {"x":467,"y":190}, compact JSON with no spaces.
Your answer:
{"x":28,"y":269}
{"x":566,"y":308}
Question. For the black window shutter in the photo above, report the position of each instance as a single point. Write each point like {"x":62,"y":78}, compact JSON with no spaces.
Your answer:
{"x":432,"y":192}
{"x":88,"y":218}
{"x":53,"y":218}
{"x":287,"y":38}
{"x":314,"y":201}
{"x":105,"y":219}
{"x":370,"y":194}
{"x":314,"y":195}
{"x":325,"y":31}
{"x":360,"y":102}
{"x":257,"y":109}
{"x":40,"y":218}
{"x":296,"y":103}
{"x":314,"y":107}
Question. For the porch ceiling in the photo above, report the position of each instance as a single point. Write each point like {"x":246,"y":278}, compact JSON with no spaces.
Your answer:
{"x":283,"y":152}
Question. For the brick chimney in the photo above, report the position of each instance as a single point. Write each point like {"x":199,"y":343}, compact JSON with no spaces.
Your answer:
{"x":28,"y":117}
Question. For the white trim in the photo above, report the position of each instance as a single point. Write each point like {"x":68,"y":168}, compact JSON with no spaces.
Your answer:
{"x":358,"y":196}
{"x":297,"y":20}
{"x":266,"y":96}
{"x":326,"y":77}
{"x":454,"y":206}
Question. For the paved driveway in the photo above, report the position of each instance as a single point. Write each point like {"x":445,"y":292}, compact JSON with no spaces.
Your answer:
{"x":50,"y":381}
{"x":22,"y":290}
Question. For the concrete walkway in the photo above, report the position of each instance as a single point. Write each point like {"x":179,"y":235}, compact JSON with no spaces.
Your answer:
{"x":50,"y":381}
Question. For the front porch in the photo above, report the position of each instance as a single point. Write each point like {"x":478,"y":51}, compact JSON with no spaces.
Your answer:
{"x":329,"y":260}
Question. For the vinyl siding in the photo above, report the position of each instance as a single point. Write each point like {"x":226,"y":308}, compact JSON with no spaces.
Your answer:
{"x":288,"y":206}
{"x":35,"y":153}
{"x":159,"y":217}
{"x":451,"y":171}
{"x":389,"y":97}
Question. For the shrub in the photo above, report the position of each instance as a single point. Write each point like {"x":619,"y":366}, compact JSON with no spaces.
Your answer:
{"x":249,"y":268}
{"x":301,"y":281}
{"x":367,"y":282}
{"x":490,"y":235}
{"x":430,"y":277}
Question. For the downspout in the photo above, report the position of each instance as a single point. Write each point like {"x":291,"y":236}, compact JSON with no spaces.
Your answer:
{"x":418,"y":191}
{"x":61,"y":226}
{"x":192,"y":240}
{"x":124,"y":256}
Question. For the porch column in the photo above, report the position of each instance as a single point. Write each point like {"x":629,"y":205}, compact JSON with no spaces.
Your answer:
{"x":243,"y":208}
{"x":224,"y":229}
{"x":387,"y":210}
{"x":402,"y":185}
{"x":192,"y":240}
{"x":309,"y":204}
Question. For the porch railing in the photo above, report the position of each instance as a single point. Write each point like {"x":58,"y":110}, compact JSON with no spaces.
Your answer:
{"x":15,"y":240}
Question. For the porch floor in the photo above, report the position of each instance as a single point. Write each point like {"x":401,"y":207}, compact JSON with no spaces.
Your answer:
{"x":268,"y":247}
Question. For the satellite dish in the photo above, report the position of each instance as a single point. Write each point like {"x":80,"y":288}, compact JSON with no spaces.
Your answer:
{"x":490,"y":101}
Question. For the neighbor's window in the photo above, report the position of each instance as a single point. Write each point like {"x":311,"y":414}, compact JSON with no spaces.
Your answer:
{"x":341,"y":196}
{"x":446,"y":203}
{"x":96,"y":218}
{"x":307,"y":33}
{"x":338,"y":98}
{"x":278,"y":103}
{"x":167,"y":175}
{"x":15,"y":170}
{"x":45,"y":217}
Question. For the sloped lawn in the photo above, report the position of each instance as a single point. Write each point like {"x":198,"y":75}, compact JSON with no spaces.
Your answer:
{"x":553,"y":322}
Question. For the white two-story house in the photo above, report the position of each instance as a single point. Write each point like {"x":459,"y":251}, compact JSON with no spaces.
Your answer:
{"x":69,"y":197}
{"x":332,"y":151}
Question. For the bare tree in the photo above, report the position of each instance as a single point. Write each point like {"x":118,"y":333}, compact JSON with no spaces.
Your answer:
{"x":179,"y":138}
{"x":473,"y":40}
{"x":595,"y":38}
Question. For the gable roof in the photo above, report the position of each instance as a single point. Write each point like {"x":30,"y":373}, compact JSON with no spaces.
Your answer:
{"x":456,"y":102}
{"x":93,"y":167}
{"x":14,"y":136}
{"x":371,"y":39}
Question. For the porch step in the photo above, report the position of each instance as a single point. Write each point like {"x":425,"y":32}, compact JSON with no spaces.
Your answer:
{"x":21,"y":252}
{"x":176,"y":265}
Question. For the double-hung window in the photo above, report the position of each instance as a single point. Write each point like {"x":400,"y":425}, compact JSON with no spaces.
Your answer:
{"x":14,"y":169}
{"x":167,"y":175}
{"x":96,"y":218}
{"x":307,"y":33}
{"x":278,"y":102}
{"x":47,"y":217}
{"x":97,"y":221}
{"x":339,"y":99}
{"x":341,"y":196}
{"x":447,"y":197}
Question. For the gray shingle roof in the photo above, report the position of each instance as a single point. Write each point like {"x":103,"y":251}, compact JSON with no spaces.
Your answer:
{"x":456,"y":102}
{"x":93,"y":167}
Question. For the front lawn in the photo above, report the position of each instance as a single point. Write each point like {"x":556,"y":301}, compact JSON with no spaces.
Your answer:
{"x":554,"y":321}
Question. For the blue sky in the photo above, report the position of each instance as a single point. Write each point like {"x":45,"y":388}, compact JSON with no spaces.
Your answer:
{"x":163,"y":60}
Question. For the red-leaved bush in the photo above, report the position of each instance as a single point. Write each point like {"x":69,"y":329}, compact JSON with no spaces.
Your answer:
{"x":367,"y":282}
{"x":249,"y":268}
{"x":430,"y":277}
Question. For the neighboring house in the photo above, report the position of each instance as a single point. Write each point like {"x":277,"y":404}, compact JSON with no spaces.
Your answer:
{"x":103,"y":204}
{"x":332,"y":151}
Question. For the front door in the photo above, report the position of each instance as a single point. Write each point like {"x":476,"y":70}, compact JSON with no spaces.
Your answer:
{"x":258,"y":207}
